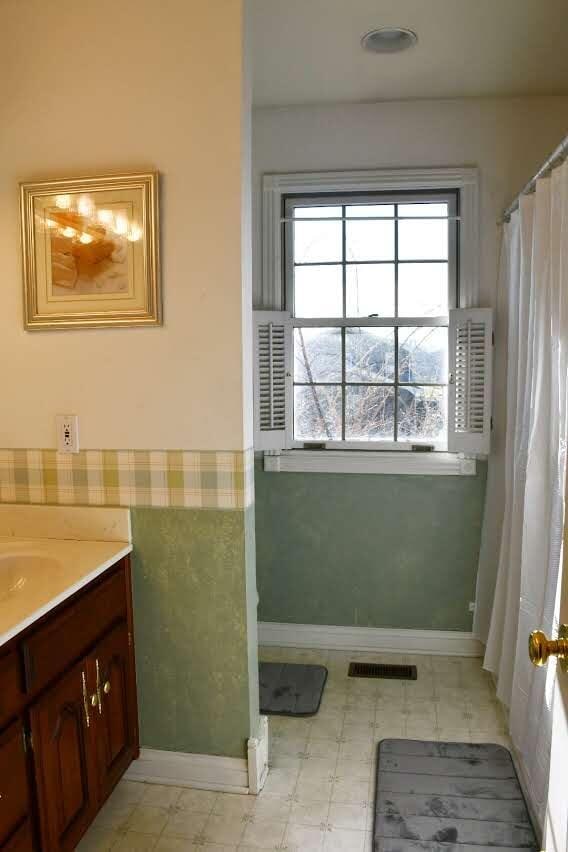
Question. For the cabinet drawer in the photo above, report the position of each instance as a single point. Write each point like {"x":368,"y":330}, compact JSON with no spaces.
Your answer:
{"x":65,"y":637}
{"x":10,"y":692}
{"x":13,"y":780}
{"x":21,"y":840}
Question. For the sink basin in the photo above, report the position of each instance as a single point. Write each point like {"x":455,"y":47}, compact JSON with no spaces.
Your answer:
{"x":18,"y":569}
{"x":37,"y":574}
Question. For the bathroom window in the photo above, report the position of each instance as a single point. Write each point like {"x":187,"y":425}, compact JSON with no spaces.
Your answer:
{"x":367,"y":334}
{"x":370,"y":281}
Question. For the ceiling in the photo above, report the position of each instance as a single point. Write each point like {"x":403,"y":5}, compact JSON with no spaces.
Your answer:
{"x":308,"y":51}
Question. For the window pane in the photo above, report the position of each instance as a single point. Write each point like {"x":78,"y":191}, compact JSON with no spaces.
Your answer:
{"x":423,"y":240}
{"x":422,"y":289}
{"x":317,"y":413}
{"x":370,"y":289}
{"x":424,"y":208}
{"x":422,"y":414}
{"x":369,"y":414}
{"x":369,"y":240}
{"x":363,"y":210}
{"x":369,"y":354}
{"x":317,"y":241}
{"x":423,"y":354}
{"x":318,"y":291}
{"x":317,"y":354}
{"x":317,"y":212}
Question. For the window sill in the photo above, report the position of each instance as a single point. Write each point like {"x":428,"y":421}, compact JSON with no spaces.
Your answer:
{"x":337,"y":461}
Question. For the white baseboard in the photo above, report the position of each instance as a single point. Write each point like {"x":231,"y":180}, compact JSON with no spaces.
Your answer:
{"x":447,"y":642}
{"x":206,"y":771}
{"x":258,"y":758}
{"x":203,"y":771}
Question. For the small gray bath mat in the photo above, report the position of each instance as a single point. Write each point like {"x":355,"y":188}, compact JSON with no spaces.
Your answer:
{"x":291,"y":689}
{"x":449,"y":797}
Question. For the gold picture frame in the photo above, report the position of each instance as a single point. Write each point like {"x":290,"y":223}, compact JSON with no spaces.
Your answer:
{"x":90,"y":255}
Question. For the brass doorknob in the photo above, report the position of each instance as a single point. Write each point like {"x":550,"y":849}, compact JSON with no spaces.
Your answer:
{"x":541,"y":648}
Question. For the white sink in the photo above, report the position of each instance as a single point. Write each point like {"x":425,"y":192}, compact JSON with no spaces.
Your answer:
{"x":37,"y":574}
{"x":20,"y":568}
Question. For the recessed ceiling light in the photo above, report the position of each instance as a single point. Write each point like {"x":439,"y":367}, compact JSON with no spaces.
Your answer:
{"x":389,"y":40}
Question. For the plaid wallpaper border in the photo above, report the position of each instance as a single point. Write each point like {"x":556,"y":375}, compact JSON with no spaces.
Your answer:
{"x":184,"y":478}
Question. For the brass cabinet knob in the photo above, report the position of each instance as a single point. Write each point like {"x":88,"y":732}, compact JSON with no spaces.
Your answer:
{"x":94,"y":699}
{"x":106,"y":687}
{"x":541,"y":648}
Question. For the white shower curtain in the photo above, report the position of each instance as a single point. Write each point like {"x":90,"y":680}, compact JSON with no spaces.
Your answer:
{"x":534,"y":271}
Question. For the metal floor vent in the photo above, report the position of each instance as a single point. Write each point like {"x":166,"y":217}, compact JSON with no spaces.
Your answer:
{"x":382,"y":670}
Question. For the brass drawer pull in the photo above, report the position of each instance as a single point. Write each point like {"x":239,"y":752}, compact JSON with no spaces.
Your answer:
{"x":85,"y":700}
{"x":99,"y":696}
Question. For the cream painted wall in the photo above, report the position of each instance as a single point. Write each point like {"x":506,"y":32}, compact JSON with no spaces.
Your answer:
{"x":121,"y":86}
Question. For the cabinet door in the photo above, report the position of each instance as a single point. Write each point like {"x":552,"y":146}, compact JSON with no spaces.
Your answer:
{"x":62,"y":728}
{"x":115,"y":725}
{"x":14,"y":797}
{"x":11,"y":695}
{"x":21,"y":840}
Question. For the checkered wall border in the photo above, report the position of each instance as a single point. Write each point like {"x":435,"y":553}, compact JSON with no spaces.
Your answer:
{"x":201,"y":480}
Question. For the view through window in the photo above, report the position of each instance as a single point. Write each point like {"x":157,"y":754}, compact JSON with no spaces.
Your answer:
{"x":370,"y":282}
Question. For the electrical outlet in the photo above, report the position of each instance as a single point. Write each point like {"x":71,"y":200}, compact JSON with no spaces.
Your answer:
{"x":472,"y":606}
{"x":67,"y":433}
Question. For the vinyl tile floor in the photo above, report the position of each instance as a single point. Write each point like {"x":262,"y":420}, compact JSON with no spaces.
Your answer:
{"x":319,"y":793}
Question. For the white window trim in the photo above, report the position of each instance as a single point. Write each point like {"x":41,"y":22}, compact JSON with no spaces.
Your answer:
{"x":272,"y":295}
{"x":372,"y":461}
{"x":275,"y":186}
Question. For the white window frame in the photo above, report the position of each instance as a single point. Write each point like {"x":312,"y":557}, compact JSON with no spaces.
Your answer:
{"x":270,"y":291}
{"x":449,"y":197}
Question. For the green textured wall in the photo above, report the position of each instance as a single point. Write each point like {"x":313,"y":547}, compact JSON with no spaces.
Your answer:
{"x":194,"y":583}
{"x":252,"y":618}
{"x":368,"y":550}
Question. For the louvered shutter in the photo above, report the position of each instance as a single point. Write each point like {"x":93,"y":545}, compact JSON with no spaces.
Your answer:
{"x":469,"y":399}
{"x":272,"y":359}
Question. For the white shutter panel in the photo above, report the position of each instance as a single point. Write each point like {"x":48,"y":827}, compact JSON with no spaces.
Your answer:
{"x":272,"y":359}
{"x":469,"y":397}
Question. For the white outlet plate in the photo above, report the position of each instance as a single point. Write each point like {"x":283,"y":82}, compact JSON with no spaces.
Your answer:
{"x":67,"y":433}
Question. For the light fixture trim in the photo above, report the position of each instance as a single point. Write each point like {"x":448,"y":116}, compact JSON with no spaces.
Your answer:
{"x":389,"y":40}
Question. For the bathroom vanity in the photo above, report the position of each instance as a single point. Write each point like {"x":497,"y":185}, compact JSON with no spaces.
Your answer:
{"x":68,"y":710}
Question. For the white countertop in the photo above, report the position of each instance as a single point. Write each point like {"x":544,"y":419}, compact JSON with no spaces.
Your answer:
{"x":54,"y":571}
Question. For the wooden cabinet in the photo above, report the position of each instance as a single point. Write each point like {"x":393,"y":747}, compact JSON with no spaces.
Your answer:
{"x":11,"y":693}
{"x":63,"y":747}
{"x":14,"y":793}
{"x":115,"y":717}
{"x":77,"y":711}
{"x":21,"y":840}
{"x":73,"y":630}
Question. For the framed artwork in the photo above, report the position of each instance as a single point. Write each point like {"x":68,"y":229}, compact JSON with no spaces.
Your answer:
{"x":90,"y":252}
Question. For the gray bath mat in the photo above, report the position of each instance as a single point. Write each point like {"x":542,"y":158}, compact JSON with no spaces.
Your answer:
{"x":449,"y":797}
{"x":290,"y":689}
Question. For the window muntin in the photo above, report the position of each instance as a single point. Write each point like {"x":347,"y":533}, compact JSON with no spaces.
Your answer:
{"x":370,"y":282}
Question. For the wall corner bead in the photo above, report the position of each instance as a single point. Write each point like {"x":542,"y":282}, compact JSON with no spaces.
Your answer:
{"x":257,"y":752}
